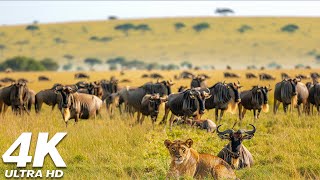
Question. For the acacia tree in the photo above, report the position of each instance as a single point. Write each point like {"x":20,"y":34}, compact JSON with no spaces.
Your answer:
{"x":32,"y":28}
{"x":125,"y":28}
{"x":178,"y":26}
{"x":143,"y":28}
{"x":92,"y":61}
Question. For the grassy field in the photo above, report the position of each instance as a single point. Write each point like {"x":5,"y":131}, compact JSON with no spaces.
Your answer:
{"x":285,"y":146}
{"x":219,"y":45}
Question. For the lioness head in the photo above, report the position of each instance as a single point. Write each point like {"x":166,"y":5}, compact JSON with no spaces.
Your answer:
{"x":179,"y":150}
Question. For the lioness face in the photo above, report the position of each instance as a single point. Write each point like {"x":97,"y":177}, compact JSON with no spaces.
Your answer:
{"x":178,"y":149}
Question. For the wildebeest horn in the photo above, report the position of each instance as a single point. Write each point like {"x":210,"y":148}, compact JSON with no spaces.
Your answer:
{"x":221,"y":134}
{"x":170,"y":82}
{"x":238,"y":82}
{"x":252,"y":131}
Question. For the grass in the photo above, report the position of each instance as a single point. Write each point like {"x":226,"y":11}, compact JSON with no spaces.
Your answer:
{"x":284,"y":146}
{"x":219,"y":45}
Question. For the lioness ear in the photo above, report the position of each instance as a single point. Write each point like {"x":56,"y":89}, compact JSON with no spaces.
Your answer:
{"x":167,"y":143}
{"x":189,"y":142}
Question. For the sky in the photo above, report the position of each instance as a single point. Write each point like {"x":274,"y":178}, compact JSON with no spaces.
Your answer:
{"x":26,"y":12}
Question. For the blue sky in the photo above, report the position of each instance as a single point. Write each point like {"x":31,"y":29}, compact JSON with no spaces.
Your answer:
{"x":24,"y":12}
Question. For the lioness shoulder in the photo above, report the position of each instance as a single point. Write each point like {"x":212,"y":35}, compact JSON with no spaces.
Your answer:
{"x":187,"y":162}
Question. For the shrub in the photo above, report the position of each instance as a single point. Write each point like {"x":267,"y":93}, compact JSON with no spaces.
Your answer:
{"x":290,"y":28}
{"x":22,"y":63}
{"x":201,"y":26}
{"x":49,"y":64}
{"x":244,"y":28}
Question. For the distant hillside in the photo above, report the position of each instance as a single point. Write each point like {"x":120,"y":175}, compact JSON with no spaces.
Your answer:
{"x":234,"y":41}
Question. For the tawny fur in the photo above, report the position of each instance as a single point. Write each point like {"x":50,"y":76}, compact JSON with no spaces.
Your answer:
{"x":187,"y":162}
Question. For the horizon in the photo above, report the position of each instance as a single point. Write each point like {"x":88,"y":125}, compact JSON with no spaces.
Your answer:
{"x":26,"y":12}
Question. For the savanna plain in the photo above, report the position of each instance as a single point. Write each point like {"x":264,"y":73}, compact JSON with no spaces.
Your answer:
{"x":285,"y":146}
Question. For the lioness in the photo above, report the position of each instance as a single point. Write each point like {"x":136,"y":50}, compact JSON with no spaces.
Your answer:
{"x":187,"y":162}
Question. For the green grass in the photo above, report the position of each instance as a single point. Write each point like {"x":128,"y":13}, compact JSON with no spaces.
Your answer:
{"x":285,"y":146}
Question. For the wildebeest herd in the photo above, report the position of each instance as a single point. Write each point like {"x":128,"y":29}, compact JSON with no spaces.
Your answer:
{"x":84,"y":100}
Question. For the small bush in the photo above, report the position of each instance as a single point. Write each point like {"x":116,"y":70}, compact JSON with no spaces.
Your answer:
{"x":290,"y":28}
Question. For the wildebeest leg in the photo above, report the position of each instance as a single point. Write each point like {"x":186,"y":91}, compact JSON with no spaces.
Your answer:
{"x":138,"y":117}
{"x":53,"y":106}
{"x":171,"y":121}
{"x":142,"y":119}
{"x":299,"y":111}
{"x":217,"y":114}
{"x":164,"y":119}
{"x":285,"y":107}
{"x":221,"y":114}
{"x":242,"y":115}
{"x":240,"y":109}
{"x":259,"y":110}
{"x":255,"y":114}
{"x":276,"y":104}
{"x":318,"y":109}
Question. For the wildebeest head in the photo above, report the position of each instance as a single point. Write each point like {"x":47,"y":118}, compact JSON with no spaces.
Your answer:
{"x":97,"y":89}
{"x":182,"y":88}
{"x":154,"y":103}
{"x":167,"y":86}
{"x":236,"y":138}
{"x":293,"y":83}
{"x":65,"y":92}
{"x":234,"y":87}
{"x":19,"y":92}
{"x":265,"y":91}
{"x":201,"y":94}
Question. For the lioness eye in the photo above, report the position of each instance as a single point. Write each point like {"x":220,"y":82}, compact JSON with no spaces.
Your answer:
{"x":183,"y":149}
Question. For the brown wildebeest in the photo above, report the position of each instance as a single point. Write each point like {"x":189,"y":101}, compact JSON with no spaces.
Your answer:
{"x":301,"y":76}
{"x":284,"y":76}
{"x":81,"y":76}
{"x":235,"y":153}
{"x":230,"y":75}
{"x":7,"y":80}
{"x":254,"y":99}
{"x":16,"y":96}
{"x":285,"y":92}
{"x":199,"y":81}
{"x":303,"y":94}
{"x":206,"y":124}
{"x":47,"y":96}
{"x":224,"y":97}
{"x":43,"y":78}
{"x":31,"y":99}
{"x":125,"y":81}
{"x":182,"y":88}
{"x":250,"y":76}
{"x":265,"y":76}
{"x":77,"y":105}
{"x":156,"y":76}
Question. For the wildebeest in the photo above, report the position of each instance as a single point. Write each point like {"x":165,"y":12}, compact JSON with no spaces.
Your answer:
{"x":301,"y":76}
{"x":150,"y":107}
{"x":206,"y":124}
{"x":125,"y":81}
{"x":185,"y":75}
{"x":31,"y":99}
{"x":254,"y":99}
{"x":284,"y":76}
{"x":16,"y":96}
{"x":230,"y":75}
{"x":185,"y":104}
{"x":182,"y":88}
{"x":250,"y":76}
{"x":156,"y":76}
{"x":314,"y":97}
{"x":144,"y":76}
{"x":134,"y":97}
{"x":23,"y":80}
{"x":265,"y":76}
{"x":235,"y":153}
{"x":77,"y":105}
{"x":43,"y":78}
{"x":49,"y":97}
{"x":112,"y":102}
{"x":224,"y":97}
{"x":7,"y":80}
{"x":285,"y":92}
{"x":199,"y":81}
{"x":314,"y":75}
{"x":303,"y":94}
{"x":81,"y":76}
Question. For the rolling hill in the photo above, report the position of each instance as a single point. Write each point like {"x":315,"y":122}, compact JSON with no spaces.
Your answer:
{"x":235,"y":41}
